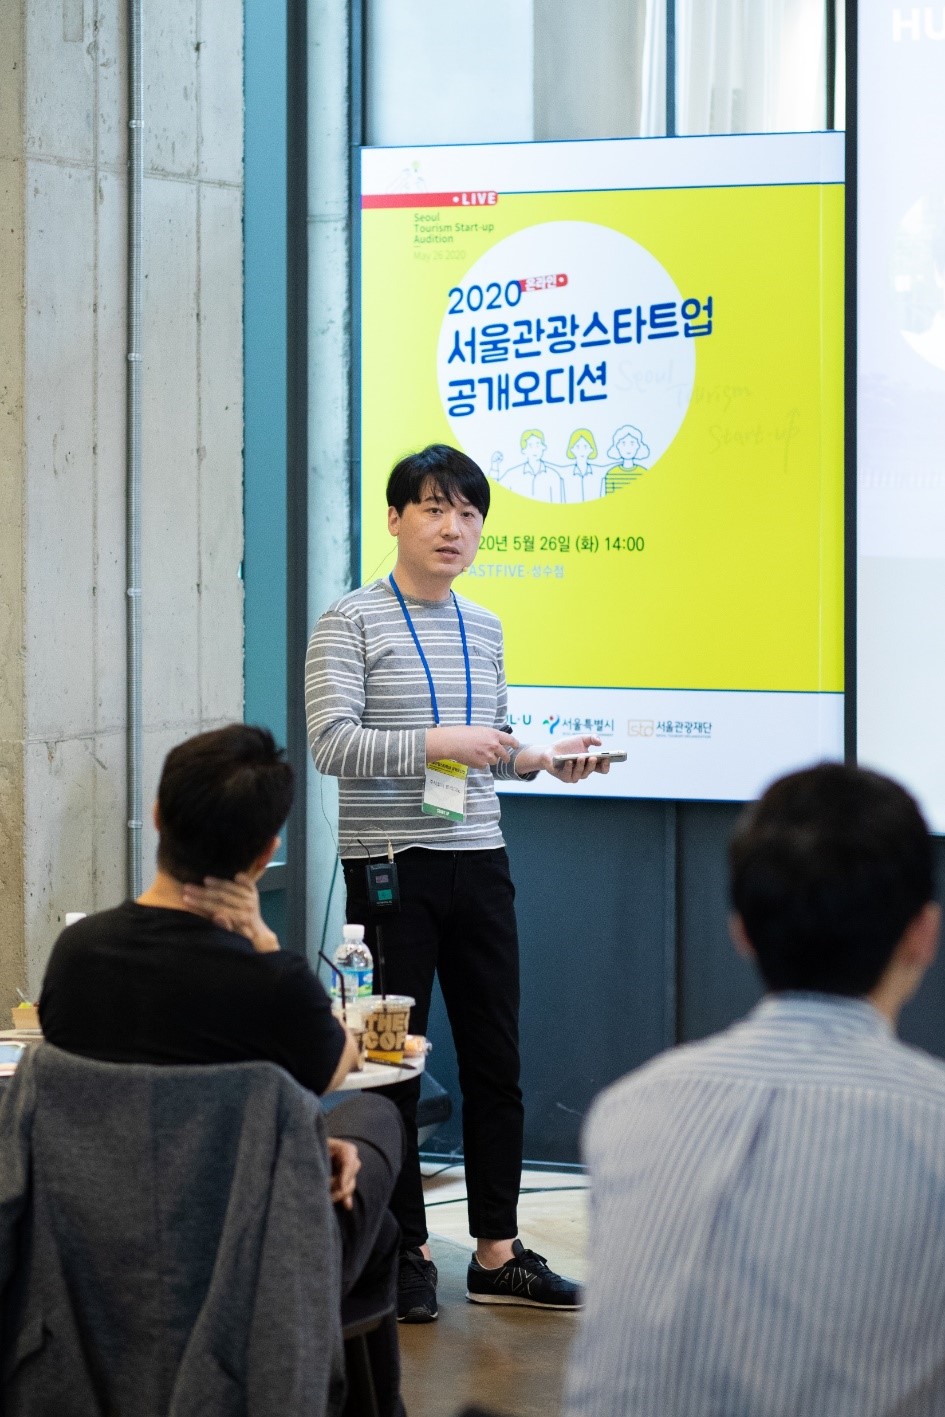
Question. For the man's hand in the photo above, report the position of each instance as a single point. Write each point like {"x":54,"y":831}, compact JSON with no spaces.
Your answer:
{"x":345,"y":1165}
{"x":233,"y":905}
{"x":472,"y":744}
{"x":537,"y":759}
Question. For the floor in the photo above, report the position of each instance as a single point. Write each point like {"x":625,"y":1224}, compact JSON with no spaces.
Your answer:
{"x":510,"y":1360}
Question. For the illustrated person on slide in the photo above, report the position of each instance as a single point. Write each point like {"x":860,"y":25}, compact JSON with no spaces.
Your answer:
{"x":406,"y":698}
{"x":629,"y":449}
{"x":534,"y":477}
{"x":583,"y":481}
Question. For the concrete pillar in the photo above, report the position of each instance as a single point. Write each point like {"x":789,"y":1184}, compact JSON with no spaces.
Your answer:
{"x":63,"y":125}
{"x":12,"y":490}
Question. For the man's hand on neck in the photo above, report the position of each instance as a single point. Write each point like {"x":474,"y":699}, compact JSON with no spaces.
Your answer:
{"x":232,"y":905}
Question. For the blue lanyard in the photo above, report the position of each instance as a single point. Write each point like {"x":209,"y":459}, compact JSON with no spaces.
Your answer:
{"x":423,"y":658}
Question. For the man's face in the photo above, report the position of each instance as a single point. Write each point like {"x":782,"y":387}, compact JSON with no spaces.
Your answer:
{"x":436,"y":539}
{"x":534,"y":447}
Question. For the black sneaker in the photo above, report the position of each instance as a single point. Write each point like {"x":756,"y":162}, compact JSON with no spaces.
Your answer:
{"x":526,"y":1279}
{"x":416,"y":1289}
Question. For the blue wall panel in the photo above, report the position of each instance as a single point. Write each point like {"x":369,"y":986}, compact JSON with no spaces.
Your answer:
{"x":264,"y":394}
{"x":716,"y":985}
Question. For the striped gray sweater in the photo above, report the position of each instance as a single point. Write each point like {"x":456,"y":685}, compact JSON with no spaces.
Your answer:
{"x":367,"y":704}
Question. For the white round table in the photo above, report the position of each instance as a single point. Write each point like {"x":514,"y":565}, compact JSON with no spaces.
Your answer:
{"x":383,"y":1074}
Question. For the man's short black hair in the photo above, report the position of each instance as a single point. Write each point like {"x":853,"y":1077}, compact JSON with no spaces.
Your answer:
{"x":827,"y":869}
{"x":453,"y":473}
{"x":222,"y":798}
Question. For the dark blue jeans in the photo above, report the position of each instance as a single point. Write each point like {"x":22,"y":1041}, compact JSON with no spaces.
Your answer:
{"x":457,"y":922}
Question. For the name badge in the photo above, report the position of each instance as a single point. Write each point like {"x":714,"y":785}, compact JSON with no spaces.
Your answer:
{"x":444,"y":790}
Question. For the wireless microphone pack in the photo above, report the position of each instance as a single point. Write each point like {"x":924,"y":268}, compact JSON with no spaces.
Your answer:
{"x":383,"y":888}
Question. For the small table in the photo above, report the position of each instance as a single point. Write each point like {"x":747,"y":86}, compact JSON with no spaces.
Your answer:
{"x":383,"y":1074}
{"x":371,"y":1075}
{"x":13,"y":1044}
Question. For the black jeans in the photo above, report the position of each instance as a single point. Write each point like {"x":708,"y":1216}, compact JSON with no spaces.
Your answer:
{"x":370,"y":1236}
{"x":457,"y":920}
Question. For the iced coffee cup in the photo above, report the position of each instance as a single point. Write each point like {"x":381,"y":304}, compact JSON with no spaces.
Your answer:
{"x":352,"y":1016}
{"x":386,"y":1022}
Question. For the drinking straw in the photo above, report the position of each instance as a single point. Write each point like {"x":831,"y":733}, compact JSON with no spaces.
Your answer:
{"x":379,"y":946}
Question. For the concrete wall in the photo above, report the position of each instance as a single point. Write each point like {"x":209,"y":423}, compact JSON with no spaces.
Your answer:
{"x":12,"y":437}
{"x":63,"y":125}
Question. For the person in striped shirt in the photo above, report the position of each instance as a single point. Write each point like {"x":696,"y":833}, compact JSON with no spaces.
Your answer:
{"x":767,"y":1232}
{"x":406,"y":704}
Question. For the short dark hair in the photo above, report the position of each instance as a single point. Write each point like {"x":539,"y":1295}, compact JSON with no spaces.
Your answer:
{"x":222,"y":798}
{"x":826,"y":870}
{"x":452,"y":472}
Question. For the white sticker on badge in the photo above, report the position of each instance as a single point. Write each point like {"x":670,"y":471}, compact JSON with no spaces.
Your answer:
{"x":444,"y":790}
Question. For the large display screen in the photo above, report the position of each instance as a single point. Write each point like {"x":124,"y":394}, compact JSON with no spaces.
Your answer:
{"x":641,"y":344}
{"x":901,"y":397}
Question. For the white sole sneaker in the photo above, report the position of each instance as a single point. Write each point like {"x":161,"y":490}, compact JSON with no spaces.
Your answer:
{"x":523,"y":1303}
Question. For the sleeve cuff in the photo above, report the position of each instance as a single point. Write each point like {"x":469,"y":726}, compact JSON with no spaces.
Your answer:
{"x":523,"y":776}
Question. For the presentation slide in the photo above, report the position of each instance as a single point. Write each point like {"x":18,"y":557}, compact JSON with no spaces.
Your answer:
{"x":641,"y":344}
{"x":901,"y":397}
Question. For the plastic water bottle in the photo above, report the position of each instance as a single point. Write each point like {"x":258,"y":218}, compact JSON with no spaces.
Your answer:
{"x":354,"y":964}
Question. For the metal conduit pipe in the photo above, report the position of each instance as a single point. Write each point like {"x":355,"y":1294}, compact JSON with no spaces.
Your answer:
{"x":133,"y":445}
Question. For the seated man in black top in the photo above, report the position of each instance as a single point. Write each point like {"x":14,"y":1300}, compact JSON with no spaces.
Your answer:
{"x":190,"y":973}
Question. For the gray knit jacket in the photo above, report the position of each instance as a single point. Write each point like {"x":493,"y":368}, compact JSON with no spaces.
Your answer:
{"x":167,"y":1243}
